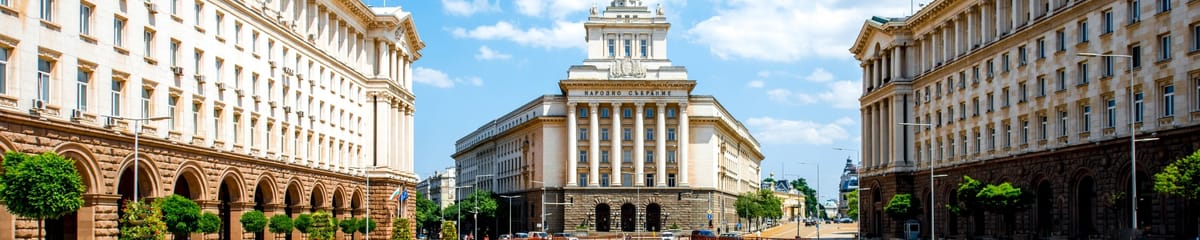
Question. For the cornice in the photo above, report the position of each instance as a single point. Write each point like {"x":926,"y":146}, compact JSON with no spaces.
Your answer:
{"x":542,"y":120}
{"x":627,"y":84}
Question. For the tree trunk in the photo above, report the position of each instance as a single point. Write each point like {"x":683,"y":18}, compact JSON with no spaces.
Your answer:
{"x":39,"y":231}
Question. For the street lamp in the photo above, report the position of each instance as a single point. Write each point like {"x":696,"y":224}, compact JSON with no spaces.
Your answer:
{"x":932,"y":199}
{"x":475,"y":215}
{"x":510,"y":212}
{"x":367,"y":174}
{"x":1132,"y":139}
{"x":458,"y":208}
{"x":137,"y":130}
{"x":818,"y":200}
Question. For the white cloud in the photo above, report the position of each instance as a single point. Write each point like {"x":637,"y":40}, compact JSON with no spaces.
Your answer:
{"x":785,"y":31}
{"x":755,"y":84}
{"x":486,"y":53}
{"x":783,"y":131}
{"x":563,"y":34}
{"x":469,"y":7}
{"x":439,"y":79}
{"x":552,"y":8}
{"x":819,"y":75}
{"x":840,"y":94}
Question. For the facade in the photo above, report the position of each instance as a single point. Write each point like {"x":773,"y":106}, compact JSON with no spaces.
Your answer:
{"x":1008,"y":98}
{"x":793,"y":203}
{"x":847,"y":185}
{"x":439,"y":187}
{"x":626,"y":147}
{"x":280,"y":106}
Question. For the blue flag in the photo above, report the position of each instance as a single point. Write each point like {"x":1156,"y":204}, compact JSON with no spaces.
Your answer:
{"x":404,"y":195}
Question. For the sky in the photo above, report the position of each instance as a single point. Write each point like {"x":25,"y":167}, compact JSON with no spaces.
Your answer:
{"x":781,"y":67}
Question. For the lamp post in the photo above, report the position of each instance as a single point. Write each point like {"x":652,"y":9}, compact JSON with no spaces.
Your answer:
{"x":818,"y":188}
{"x":475,"y":215}
{"x":799,"y":203}
{"x":367,"y":174}
{"x":137,"y":130}
{"x":510,"y":212}
{"x":458,"y":209}
{"x":932,"y":199}
{"x":1132,"y":139}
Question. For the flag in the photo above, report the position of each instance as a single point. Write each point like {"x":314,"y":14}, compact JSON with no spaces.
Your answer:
{"x":395,"y":193}
{"x":404,"y":195}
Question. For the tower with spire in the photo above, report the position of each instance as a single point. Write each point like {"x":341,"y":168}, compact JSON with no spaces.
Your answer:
{"x":848,"y":184}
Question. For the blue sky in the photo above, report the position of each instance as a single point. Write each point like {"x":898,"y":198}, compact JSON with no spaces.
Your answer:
{"x":780,"y":67}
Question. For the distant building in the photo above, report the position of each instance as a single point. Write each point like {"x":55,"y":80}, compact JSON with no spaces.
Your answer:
{"x":439,"y":187}
{"x":848,"y":184}
{"x":831,"y":208}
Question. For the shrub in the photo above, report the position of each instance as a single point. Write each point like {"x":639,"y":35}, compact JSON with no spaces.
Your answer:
{"x":400,"y":229}
{"x":349,"y":226}
{"x":179,"y":213}
{"x":254,"y":221}
{"x":45,"y":186}
{"x":323,"y":226}
{"x":142,"y":221}
{"x":901,"y":206}
{"x":302,"y":222}
{"x":280,"y":224}
{"x":209,"y":223}
{"x":449,"y":231}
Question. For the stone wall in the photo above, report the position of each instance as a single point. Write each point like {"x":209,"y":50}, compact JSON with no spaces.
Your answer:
{"x":688,"y":211}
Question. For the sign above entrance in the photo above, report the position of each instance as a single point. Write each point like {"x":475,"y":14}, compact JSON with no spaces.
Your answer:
{"x":627,"y":93}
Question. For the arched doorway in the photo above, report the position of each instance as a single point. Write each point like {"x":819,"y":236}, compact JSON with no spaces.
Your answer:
{"x":653,"y":217}
{"x":951,"y":218}
{"x":1045,"y":208}
{"x":1084,"y":199}
{"x":628,"y":217}
{"x":263,"y":195}
{"x":125,"y":187}
{"x":291,"y":203}
{"x":337,"y":203}
{"x":67,"y":226}
{"x":187,"y":185}
{"x":225,"y":198}
{"x":317,"y":200}
{"x":603,"y":217}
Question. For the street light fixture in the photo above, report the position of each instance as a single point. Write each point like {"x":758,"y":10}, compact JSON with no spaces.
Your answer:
{"x":458,"y":208}
{"x":932,"y":199}
{"x":137,"y":130}
{"x":510,"y":212}
{"x":818,"y":200}
{"x":475,"y":215}
{"x":1132,"y":139}
{"x":367,"y":175}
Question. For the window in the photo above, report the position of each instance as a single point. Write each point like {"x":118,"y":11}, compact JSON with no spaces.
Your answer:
{"x":583,"y":134}
{"x":583,"y":112}
{"x":1135,"y":52}
{"x":978,"y":141}
{"x":1061,"y":79}
{"x":583,"y":179}
{"x":254,"y":42}
{"x":1085,"y":125}
{"x":1041,"y":48}
{"x":237,"y":128}
{"x":1108,"y":66}
{"x":649,"y":156}
{"x":81,"y":89}
{"x":1021,"y":92}
{"x":1062,"y":123}
{"x":174,"y":53}
{"x":118,"y":32}
{"x":172,"y":105}
{"x":991,"y":102}
{"x":627,"y":134}
{"x":975,"y":74}
{"x":975,"y":103}
{"x":1107,"y":18}
{"x":670,"y":113}
{"x":1110,"y":113}
{"x":85,"y":19}
{"x":612,"y":48}
{"x":645,"y":49}
{"x":1022,"y":55}
{"x":583,"y":154}
{"x":117,"y":88}
{"x":1196,"y":37}
{"x":175,"y":7}
{"x":237,"y":33}
{"x":626,"y":179}
{"x":1168,"y":100}
{"x":220,"y":22}
{"x":603,"y":179}
{"x":670,"y":156}
{"x":1044,"y":127}
{"x":1195,"y":84}
{"x":1082,"y":73}
{"x":626,"y":156}
{"x":649,"y":113}
{"x":4,"y":70}
{"x":1164,"y":6}
{"x":627,"y":113}
{"x":1164,"y":46}
{"x":1135,"y":11}
{"x":199,"y":8}
{"x":1007,"y":135}
{"x":991,"y":69}
{"x":1041,"y":82}
{"x":43,"y":79}
{"x":670,"y":179}
{"x":962,"y":110}
{"x":1083,"y":33}
{"x":604,"y":113}
{"x":148,"y":42}
{"x":650,"y":179}
{"x":1024,"y":131}
{"x":46,"y":10}
{"x":650,"y":134}
{"x":1004,"y":66}
{"x":1138,"y":106}
{"x":671,"y":134}
{"x":604,"y":156}
{"x":196,"y":123}
{"x":1061,"y":39}
{"x":628,"y":48}
{"x":146,"y":96}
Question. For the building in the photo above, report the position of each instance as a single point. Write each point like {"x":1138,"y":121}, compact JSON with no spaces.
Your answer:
{"x":847,"y":185}
{"x":279,"y":106}
{"x":607,"y":153}
{"x":439,"y":187}
{"x":1008,"y":98}
{"x":792,"y":203}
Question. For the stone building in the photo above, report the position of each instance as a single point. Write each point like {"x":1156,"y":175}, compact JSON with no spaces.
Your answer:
{"x":847,"y":185}
{"x":439,"y":187}
{"x":625,"y":147}
{"x":282,"y":106}
{"x":1000,"y":92}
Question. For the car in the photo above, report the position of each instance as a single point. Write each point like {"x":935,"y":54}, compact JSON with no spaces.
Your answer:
{"x":667,"y":235}
{"x":731,"y":236}
{"x":521,"y":236}
{"x":539,"y":235}
{"x":702,"y":234}
{"x":564,"y":236}
{"x":845,"y":220}
{"x":505,"y":237}
{"x":810,"y":222}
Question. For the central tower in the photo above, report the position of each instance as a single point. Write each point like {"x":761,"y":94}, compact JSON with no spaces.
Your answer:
{"x":626,"y":41}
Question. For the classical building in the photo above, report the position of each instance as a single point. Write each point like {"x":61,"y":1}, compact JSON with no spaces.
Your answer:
{"x":625,"y":147}
{"x":1001,"y":93}
{"x":439,"y":187}
{"x":281,"y":106}
{"x":847,"y":185}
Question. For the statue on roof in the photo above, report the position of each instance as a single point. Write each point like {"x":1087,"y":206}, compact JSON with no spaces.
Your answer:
{"x":660,"y":10}
{"x":594,"y":11}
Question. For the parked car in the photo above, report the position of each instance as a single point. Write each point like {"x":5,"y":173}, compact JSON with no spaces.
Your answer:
{"x":505,"y":237}
{"x":539,"y":235}
{"x":564,"y":236}
{"x":667,"y":235}
{"x":702,"y":234}
{"x":845,"y":220}
{"x":731,"y":236}
{"x":521,"y":236}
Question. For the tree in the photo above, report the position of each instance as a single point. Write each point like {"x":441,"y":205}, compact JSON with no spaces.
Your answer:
{"x":281,"y":224}
{"x":1180,"y":178}
{"x":366,"y":225}
{"x":302,"y":223}
{"x":41,"y":187}
{"x":181,"y":215}
{"x":428,"y":214}
{"x":450,"y":212}
{"x":254,"y":221}
{"x":209,"y":223}
{"x":852,"y":202}
{"x":901,"y":206}
{"x":349,"y":226}
{"x":1003,"y":199}
{"x":142,"y":221}
{"x":449,"y":232}
{"x":481,"y":201}
{"x":810,"y":196}
{"x":322,"y":227}
{"x":400,"y":230}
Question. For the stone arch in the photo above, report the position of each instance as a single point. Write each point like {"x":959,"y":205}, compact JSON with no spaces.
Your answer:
{"x":292,"y":197}
{"x":356,"y":202}
{"x":338,"y":202}
{"x":264,"y":191}
{"x":316,"y":199}
{"x":6,"y":145}
{"x":232,"y":179}
{"x":189,"y":181}
{"x":6,"y":219}
{"x":1083,"y":201}
{"x":229,"y":192}
{"x":628,"y":217}
{"x":85,"y":164}
{"x":147,"y":172}
{"x":603,"y":215}
{"x":654,"y":217}
{"x":1044,"y":206}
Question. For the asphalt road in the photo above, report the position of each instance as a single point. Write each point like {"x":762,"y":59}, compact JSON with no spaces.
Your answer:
{"x":828,"y":231}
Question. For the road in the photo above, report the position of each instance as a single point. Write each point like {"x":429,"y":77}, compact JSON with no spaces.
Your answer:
{"x":828,"y":231}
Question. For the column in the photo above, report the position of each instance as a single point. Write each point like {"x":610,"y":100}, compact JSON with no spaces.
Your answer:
{"x":593,"y":144}
{"x":383,"y":117}
{"x":897,"y":68}
{"x":616,"y":134}
{"x":572,"y":144}
{"x":408,"y":146}
{"x":660,"y":144}
{"x":684,"y":143}
{"x":971,"y":28}
{"x":999,"y":18}
{"x":875,"y":153}
{"x":865,"y":72}
{"x":868,"y":163}
{"x":639,"y":144}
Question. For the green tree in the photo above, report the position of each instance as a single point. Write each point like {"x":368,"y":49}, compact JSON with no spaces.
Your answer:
{"x":254,"y":221}
{"x":901,"y":206}
{"x":810,"y":196}
{"x":181,"y":215}
{"x":366,"y":225}
{"x":349,"y":226}
{"x":481,"y":201}
{"x":209,"y":223}
{"x":1180,"y":178}
{"x":142,"y":221}
{"x":400,"y":230}
{"x":450,"y":212}
{"x":1003,"y":199}
{"x":322,"y":227}
{"x":281,"y":224}
{"x":770,"y":206}
{"x":449,"y":232}
{"x":45,"y":186}
{"x":852,"y":202}
{"x":302,"y":223}
{"x":428,"y":214}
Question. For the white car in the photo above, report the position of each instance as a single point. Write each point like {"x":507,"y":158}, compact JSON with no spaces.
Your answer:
{"x":667,"y":235}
